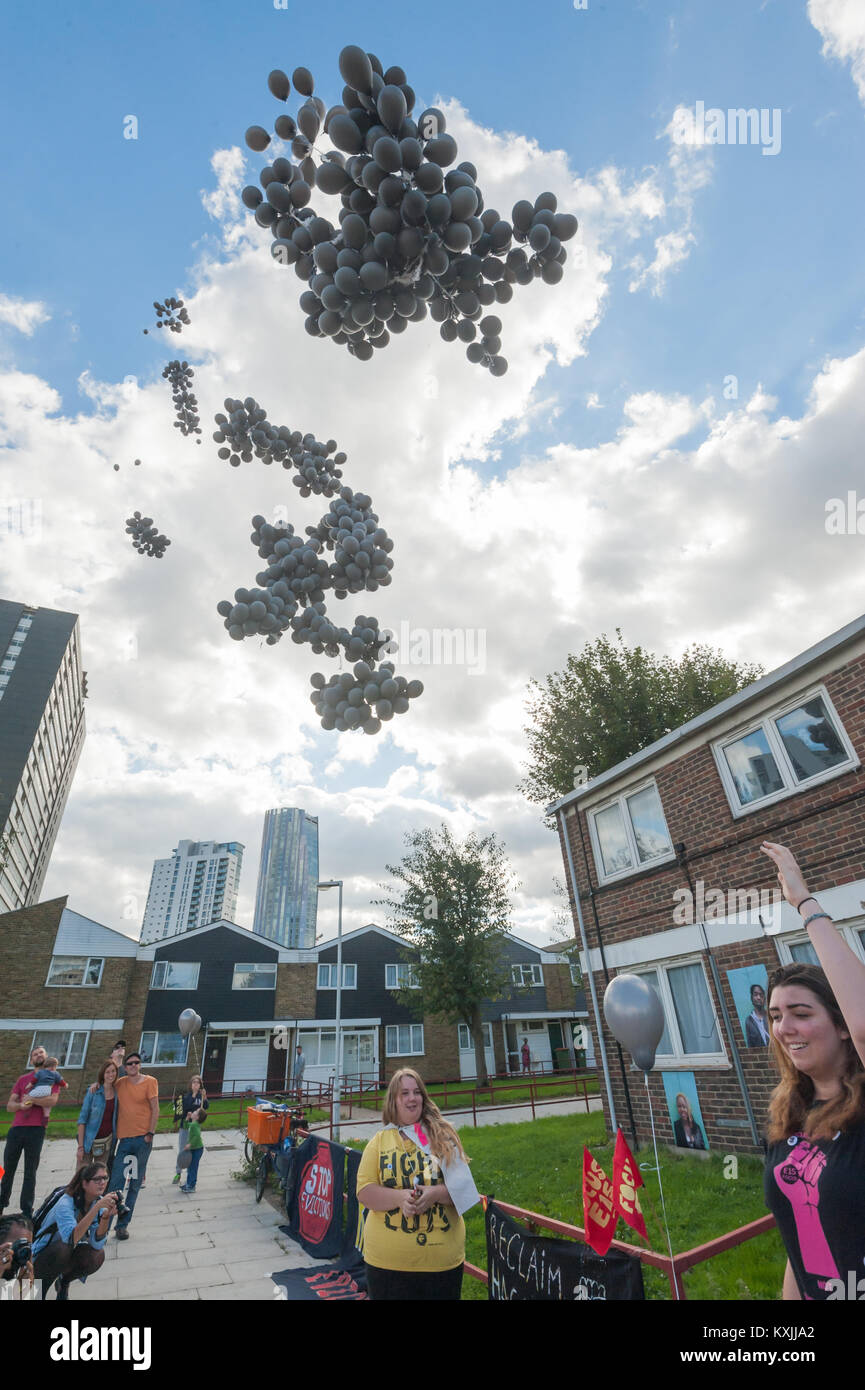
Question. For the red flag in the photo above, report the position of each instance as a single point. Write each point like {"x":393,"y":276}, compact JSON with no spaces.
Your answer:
{"x":599,"y":1207}
{"x":626,"y":1179}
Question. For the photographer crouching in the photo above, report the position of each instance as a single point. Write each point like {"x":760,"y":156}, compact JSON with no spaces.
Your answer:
{"x":71,"y":1234}
{"x":16,"y":1232}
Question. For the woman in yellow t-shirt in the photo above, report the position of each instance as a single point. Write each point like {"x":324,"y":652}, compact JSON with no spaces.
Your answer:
{"x":414,"y":1241}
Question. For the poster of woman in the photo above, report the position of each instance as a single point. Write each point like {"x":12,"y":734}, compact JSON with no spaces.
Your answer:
{"x":683,"y":1105}
{"x":748,"y":988}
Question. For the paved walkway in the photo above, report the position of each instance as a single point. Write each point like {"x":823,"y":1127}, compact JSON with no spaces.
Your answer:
{"x":355,"y":1128}
{"x":215,"y":1244}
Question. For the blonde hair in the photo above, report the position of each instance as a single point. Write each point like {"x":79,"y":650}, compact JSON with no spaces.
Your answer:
{"x":444,"y":1141}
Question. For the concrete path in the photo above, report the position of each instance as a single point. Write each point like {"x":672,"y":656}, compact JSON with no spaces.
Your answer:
{"x":363,"y":1122}
{"x":215,"y":1244}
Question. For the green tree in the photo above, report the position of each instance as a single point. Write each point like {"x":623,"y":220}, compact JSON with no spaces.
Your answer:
{"x":613,"y":700}
{"x":451,"y":902}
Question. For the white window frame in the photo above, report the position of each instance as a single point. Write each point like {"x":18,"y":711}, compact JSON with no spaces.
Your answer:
{"x":166,"y":964}
{"x":536,"y":971}
{"x":637,"y":865}
{"x":792,"y":786}
{"x":391,"y":1042}
{"x":679,"y":1059}
{"x":463,"y":1028}
{"x":574,"y":967}
{"x":349,"y":975}
{"x":62,"y":1064}
{"x":409,"y":981}
{"x":84,"y":983}
{"x":155,"y":1034}
{"x":253,"y":968}
{"x":849,"y":931}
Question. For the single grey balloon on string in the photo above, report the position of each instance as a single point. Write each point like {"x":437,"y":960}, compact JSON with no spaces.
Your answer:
{"x":635,"y":1017}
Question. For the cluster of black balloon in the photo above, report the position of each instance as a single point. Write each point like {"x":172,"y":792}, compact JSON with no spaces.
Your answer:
{"x":145,"y":537}
{"x":290,"y":596}
{"x":412,"y":238}
{"x":363,"y":700}
{"x":245,"y":433}
{"x":180,"y":375}
{"x":172,"y":314}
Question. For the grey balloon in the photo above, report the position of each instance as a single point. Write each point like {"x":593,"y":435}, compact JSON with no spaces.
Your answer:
{"x":636,"y":1019}
{"x":188,"y":1023}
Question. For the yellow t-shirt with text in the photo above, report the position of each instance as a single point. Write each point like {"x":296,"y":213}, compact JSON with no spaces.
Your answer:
{"x":429,"y":1243}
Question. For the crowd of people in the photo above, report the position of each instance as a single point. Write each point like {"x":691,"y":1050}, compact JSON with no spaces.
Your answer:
{"x":414,"y":1179}
{"x":65,"y":1237}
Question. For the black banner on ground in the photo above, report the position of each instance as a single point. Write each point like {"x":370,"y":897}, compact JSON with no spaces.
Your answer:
{"x":315,"y":1213}
{"x":354,"y":1219}
{"x":540,"y":1269}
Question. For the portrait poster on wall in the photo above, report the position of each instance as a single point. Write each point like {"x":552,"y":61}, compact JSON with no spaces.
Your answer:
{"x":683,"y":1107}
{"x":749,"y":988}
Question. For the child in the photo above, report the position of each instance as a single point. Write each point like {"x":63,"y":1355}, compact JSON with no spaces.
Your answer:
{"x":194,"y":1147}
{"x":44,"y":1078}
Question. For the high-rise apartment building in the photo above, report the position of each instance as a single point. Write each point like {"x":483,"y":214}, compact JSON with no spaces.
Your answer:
{"x":196,"y":886}
{"x":286,"y":900}
{"x":41,"y":735}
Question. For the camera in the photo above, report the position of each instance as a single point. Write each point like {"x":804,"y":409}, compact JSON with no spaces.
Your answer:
{"x":21,"y":1255}
{"x":122,"y":1208}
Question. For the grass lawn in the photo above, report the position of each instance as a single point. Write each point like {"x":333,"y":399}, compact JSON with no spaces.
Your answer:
{"x":223,"y":1114}
{"x":538,"y":1165}
{"x":458,"y":1094}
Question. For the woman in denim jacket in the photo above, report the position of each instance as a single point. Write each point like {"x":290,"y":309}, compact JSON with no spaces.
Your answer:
{"x":97,"y":1123}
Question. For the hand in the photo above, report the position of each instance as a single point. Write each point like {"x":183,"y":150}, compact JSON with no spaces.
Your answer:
{"x":404,"y":1198}
{"x":148,"y":1138}
{"x":5,"y":1257}
{"x":793,"y":885}
{"x":424,"y":1198}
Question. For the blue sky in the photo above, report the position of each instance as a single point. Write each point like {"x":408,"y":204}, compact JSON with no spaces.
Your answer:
{"x":617,"y":376}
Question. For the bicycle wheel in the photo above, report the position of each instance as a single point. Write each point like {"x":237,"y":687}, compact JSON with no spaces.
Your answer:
{"x":248,"y":1150}
{"x":261,"y":1176}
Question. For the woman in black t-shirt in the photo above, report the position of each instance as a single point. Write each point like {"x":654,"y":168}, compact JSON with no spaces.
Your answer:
{"x":815,"y":1164}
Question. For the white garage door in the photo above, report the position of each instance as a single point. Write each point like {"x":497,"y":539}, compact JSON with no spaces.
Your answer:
{"x":246,"y":1063}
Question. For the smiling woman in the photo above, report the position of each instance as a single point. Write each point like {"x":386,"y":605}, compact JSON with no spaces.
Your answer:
{"x":816,"y":1155}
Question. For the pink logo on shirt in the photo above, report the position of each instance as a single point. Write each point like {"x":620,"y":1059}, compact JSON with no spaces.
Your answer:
{"x":418,"y":1129}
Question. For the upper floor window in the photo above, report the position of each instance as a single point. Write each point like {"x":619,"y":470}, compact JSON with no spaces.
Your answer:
{"x":254,"y":976}
{"x":527,"y":975}
{"x":327,"y":975}
{"x":797,"y":947}
{"x":75,"y":970}
{"x":630,"y":833}
{"x":400,"y":977}
{"x":793,"y":748}
{"x":175,"y":974}
{"x":576,"y":974}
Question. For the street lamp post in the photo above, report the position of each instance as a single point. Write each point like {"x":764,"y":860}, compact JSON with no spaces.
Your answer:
{"x":337,"y":1085}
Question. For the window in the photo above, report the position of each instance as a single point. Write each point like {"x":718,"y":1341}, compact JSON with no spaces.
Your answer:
{"x":255,"y":976}
{"x":576,"y":974}
{"x":75,"y":970}
{"x":690,"y":1027}
{"x":319,"y":1047}
{"x":175,"y":974}
{"x":163,"y":1050}
{"x":799,"y":746}
{"x":466,"y":1042}
{"x":630,"y":833}
{"x":798,"y":947}
{"x":400,"y":977}
{"x":69,"y":1048}
{"x":327,"y":976}
{"x":527,"y":975}
{"x":404,"y":1040}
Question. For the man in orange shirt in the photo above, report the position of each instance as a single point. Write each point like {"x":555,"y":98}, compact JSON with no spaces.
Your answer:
{"x":137,"y":1117}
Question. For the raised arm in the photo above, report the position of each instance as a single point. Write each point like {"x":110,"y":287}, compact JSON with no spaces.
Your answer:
{"x":844,"y":970}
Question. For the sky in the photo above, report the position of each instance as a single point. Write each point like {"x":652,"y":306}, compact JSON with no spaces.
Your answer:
{"x":678,"y":413}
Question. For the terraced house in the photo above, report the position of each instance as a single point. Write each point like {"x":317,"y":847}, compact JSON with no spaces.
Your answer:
{"x":667,"y":881}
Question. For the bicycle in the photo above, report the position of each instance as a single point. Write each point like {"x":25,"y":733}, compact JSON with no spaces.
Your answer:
{"x":277,"y":1154}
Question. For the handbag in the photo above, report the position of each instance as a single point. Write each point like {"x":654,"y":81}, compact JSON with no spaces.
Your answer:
{"x":184,"y":1158}
{"x":100,"y":1148}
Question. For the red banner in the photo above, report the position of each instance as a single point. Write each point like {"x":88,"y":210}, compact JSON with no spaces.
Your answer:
{"x":626,"y":1179}
{"x":599,"y":1206}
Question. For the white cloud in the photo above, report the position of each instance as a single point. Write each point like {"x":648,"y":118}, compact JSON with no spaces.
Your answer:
{"x":23,"y":314}
{"x":682,"y":524}
{"x":842,"y":26}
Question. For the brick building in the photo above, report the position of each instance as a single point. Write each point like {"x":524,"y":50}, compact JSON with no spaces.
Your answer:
{"x":667,"y":880}
{"x":86,"y":985}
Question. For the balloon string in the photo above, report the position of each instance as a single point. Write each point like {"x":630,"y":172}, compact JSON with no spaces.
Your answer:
{"x":661,"y":1185}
